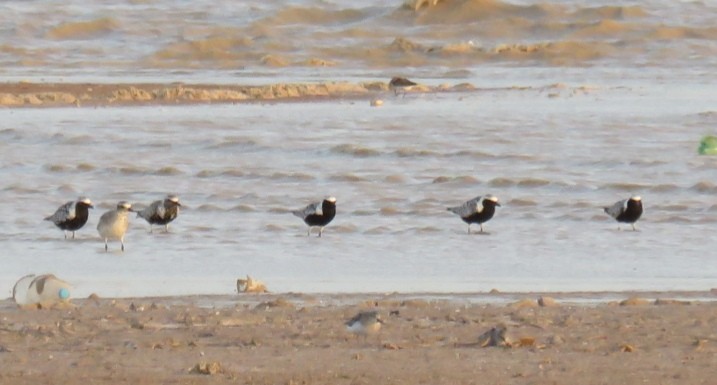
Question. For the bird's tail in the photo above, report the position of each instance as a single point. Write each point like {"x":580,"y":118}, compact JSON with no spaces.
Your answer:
{"x":48,"y":218}
{"x":298,"y":213}
{"x":454,"y":210}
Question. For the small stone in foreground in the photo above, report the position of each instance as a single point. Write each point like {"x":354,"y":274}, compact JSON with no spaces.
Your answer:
{"x":661,"y":301}
{"x":524,"y":303}
{"x":547,"y":302}
{"x":634,"y":301}
{"x":496,"y":336}
{"x":207,"y":368}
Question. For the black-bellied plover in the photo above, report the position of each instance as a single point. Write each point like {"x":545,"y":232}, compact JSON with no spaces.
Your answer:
{"x":114,"y":223}
{"x":364,"y":323}
{"x":161,"y":212}
{"x":398,"y":84}
{"x":318,"y":214}
{"x":72,"y":215}
{"x":626,"y":211}
{"x":477,"y":210}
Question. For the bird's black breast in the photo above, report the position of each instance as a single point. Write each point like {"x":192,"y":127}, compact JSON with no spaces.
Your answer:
{"x":81,"y":214}
{"x":328,"y":212}
{"x":481,"y":217}
{"x":632,"y":213}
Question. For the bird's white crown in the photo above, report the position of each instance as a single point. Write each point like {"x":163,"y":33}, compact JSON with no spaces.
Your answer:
{"x":636,"y":198}
{"x":173,"y":198}
{"x":85,"y":200}
{"x":331,"y":199}
{"x":124,"y":205}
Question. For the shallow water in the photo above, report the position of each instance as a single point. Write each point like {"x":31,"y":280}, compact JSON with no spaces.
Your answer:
{"x":552,"y":160}
{"x":556,"y":133}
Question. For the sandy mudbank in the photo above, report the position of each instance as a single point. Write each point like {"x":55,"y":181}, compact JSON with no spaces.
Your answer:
{"x":26,"y":94}
{"x":298,"y":338}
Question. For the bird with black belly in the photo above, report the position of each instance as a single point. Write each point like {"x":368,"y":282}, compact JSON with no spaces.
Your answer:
{"x":161,"y":212}
{"x":318,"y":214}
{"x":72,"y":215}
{"x":626,"y":211}
{"x":477,"y":210}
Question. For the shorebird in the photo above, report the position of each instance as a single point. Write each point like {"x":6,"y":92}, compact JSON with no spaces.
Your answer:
{"x":114,"y":223}
{"x":626,"y":211}
{"x":364,"y":323}
{"x":161,"y":212}
{"x":400,"y":84}
{"x":477,"y":210}
{"x":318,"y":214}
{"x":72,"y":215}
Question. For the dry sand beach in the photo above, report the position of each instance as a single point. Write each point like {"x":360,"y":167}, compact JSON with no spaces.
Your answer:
{"x":301,"y":339}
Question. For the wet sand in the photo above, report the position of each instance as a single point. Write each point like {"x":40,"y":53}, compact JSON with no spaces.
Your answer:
{"x":27,"y":94}
{"x":297,"y":338}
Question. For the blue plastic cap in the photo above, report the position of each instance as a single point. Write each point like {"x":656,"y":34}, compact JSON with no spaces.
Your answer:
{"x":64,"y":293}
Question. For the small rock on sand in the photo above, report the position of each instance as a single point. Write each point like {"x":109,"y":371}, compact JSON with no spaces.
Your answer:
{"x":208,"y":368}
{"x":496,"y":336}
{"x":547,"y":302}
{"x":524,"y":303}
{"x":634,"y":301}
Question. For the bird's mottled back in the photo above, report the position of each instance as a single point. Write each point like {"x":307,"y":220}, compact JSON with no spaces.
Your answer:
{"x":470,"y":207}
{"x":616,"y":209}
{"x":312,"y":209}
{"x":63,"y":213}
{"x":161,"y":212}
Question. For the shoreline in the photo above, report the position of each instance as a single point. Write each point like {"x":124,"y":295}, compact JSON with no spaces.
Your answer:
{"x":573,"y":298}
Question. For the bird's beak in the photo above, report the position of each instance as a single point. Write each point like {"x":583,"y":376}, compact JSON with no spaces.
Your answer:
{"x":90,"y":206}
{"x":497,"y":204}
{"x":179,"y":204}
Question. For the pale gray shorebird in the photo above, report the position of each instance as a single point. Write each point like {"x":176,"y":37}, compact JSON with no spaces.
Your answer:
{"x":318,"y":214}
{"x":72,"y":215}
{"x":364,"y":323}
{"x":477,"y":210}
{"x":114,"y":223}
{"x":626,"y":211}
{"x":161,"y":212}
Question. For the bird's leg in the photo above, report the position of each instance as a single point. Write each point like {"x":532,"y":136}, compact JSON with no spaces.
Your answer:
{"x":308,"y":233}
{"x":122,"y":242}
{"x":481,"y":227}
{"x":321,"y":230}
{"x":633,"y":227}
{"x":73,"y":235}
{"x":65,"y":231}
{"x":469,"y":228}
{"x":106,"y":244}
{"x":166,"y":228}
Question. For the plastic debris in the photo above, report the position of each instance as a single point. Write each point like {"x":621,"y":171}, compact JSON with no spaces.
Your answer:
{"x":40,"y":292}
{"x":250,"y":285}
